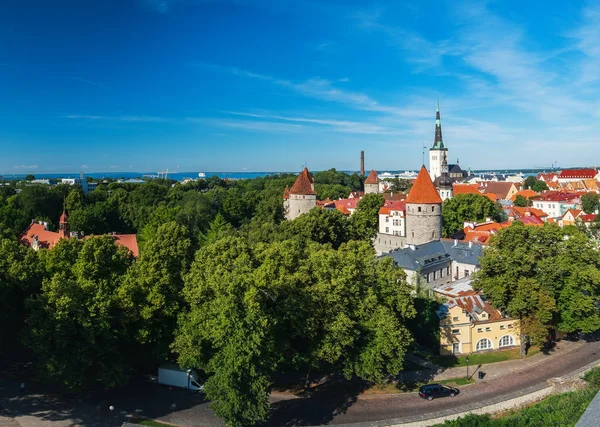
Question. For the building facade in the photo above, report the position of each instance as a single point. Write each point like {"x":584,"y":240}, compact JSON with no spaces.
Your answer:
{"x":469,"y":323}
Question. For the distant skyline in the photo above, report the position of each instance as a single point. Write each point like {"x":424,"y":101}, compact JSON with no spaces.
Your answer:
{"x":267,"y":85}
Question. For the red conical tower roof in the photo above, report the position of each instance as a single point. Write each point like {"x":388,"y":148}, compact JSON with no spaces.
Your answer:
{"x":303,"y":184}
{"x":372,"y":178}
{"x":423,"y":190}
{"x":286,"y":193}
{"x":63,"y":217}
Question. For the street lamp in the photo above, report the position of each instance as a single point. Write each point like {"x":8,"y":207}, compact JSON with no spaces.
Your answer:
{"x":111,"y":408}
{"x":467,"y":359}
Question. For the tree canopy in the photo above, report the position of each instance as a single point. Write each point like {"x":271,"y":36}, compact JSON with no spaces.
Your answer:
{"x":590,"y":202}
{"x":467,"y":208}
{"x":545,"y":276}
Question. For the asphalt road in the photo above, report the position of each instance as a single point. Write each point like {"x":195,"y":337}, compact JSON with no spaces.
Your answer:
{"x":324,"y":409}
{"x":37,"y":408}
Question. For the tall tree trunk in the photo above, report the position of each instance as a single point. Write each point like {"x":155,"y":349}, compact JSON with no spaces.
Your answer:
{"x":524,"y":340}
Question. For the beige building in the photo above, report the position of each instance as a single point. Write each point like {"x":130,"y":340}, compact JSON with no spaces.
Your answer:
{"x":469,"y":324}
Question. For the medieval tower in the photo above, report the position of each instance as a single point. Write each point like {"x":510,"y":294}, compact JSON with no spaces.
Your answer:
{"x":423,"y":211}
{"x":372,"y":183}
{"x":438,"y":151}
{"x":301,"y":198}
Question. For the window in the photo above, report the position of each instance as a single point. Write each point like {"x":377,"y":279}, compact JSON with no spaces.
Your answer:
{"x":506,"y":340}
{"x":479,"y":330}
{"x":455,"y":331}
{"x":419,"y":208}
{"x":387,"y":229}
{"x":488,"y":329}
{"x":448,"y":271}
{"x":413,"y":234}
{"x":455,"y":319}
{"x":484,"y":344}
{"x":433,"y":209}
{"x":466,"y":273}
{"x":509,"y":326}
{"x":455,"y":348}
{"x":387,"y":219}
{"x":433,"y":234}
{"x":502,"y":327}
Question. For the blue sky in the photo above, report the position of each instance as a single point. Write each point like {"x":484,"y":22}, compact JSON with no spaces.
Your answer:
{"x":266,"y":85}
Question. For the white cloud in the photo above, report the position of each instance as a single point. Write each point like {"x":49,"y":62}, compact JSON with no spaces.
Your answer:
{"x":116,"y":118}
{"x":25,"y":166}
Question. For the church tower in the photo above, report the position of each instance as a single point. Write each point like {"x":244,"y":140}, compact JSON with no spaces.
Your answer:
{"x":443,"y":183}
{"x":301,"y":198}
{"x":423,"y":211}
{"x":63,"y":226}
{"x":438,"y":151}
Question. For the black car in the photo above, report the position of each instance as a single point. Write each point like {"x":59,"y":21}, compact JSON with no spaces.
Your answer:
{"x":431,"y":391}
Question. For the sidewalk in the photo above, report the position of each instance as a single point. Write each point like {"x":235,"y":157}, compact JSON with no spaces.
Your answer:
{"x":495,"y":370}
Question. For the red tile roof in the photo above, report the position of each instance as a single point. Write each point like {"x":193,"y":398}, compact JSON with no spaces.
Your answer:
{"x":465,"y":189}
{"x":372,"y":178}
{"x":348,"y":203}
{"x":547,"y":176}
{"x":286,"y":193}
{"x":474,"y":304}
{"x":519,"y":212}
{"x":303,"y":184}
{"x":525,"y":193}
{"x":423,"y":190}
{"x":394,"y":196}
{"x":392,"y":205}
{"x":558,"y":196}
{"x":64,"y":217}
{"x":588,"y":217}
{"x":48,"y":239}
{"x":499,"y":189}
{"x":578,"y":173}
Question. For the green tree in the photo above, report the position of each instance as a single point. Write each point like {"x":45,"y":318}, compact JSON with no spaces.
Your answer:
{"x":75,"y":325}
{"x":318,"y":225}
{"x":20,"y":277}
{"x":152,"y":290}
{"x":364,"y":222}
{"x":590,"y":202}
{"x":539,"y":186}
{"x":218,"y":229}
{"x":255,"y":310}
{"x":544,"y":276}
{"x":529,"y":181}
{"x":521,"y":201}
{"x":466,"y":208}
{"x":29,"y":177}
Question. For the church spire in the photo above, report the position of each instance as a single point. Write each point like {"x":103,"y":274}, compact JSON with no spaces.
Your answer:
{"x":438,"y":143}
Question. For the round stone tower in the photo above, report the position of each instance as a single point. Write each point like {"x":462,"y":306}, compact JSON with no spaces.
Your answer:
{"x":423,"y":211}
{"x":301,"y":198}
{"x":372,"y":183}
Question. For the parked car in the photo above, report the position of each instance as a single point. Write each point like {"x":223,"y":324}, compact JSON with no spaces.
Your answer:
{"x":432,"y":391}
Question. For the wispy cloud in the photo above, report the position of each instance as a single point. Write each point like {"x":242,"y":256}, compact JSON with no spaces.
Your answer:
{"x":25,"y":166}
{"x":262,"y":126}
{"x":116,"y":118}
{"x":100,"y":85}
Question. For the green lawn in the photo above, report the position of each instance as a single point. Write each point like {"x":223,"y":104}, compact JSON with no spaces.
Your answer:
{"x":150,"y":423}
{"x":455,"y":382}
{"x":477,"y":358}
{"x":559,"y":410}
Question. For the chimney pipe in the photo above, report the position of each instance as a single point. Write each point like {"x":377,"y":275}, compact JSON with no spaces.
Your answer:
{"x":362,"y":163}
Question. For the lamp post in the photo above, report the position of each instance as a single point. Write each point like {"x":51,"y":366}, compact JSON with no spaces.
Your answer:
{"x":111,"y":408}
{"x":467,"y":359}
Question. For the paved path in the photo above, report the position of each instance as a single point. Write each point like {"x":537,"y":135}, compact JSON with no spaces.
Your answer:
{"x":328,"y":406}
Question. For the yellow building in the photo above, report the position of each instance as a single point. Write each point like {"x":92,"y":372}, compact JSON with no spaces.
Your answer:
{"x":469,"y":324}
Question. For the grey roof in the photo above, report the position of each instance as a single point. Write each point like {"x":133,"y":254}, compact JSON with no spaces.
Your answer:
{"x":462,"y":253}
{"x":435,"y":253}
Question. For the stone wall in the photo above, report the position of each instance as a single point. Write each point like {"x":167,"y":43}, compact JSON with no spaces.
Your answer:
{"x":299,"y":204}
{"x":423,"y":223}
{"x":386,"y":242}
{"x":371,"y":188}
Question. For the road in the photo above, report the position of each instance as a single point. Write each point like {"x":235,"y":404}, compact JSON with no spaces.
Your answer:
{"x":328,"y":406}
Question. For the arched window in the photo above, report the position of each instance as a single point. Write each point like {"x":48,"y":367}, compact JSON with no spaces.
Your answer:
{"x":506,"y":340}
{"x":433,"y":209}
{"x":483,"y":344}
